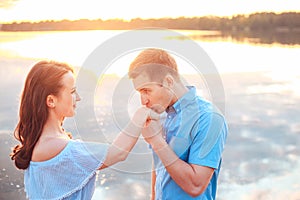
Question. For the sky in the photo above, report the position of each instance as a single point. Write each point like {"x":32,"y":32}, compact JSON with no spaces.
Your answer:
{"x":38,"y":10}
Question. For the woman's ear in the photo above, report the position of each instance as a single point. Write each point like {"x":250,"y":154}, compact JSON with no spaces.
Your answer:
{"x":50,"y":101}
{"x":168,"y":81}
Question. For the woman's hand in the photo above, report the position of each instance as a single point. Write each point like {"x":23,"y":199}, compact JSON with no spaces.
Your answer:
{"x":143,"y":116}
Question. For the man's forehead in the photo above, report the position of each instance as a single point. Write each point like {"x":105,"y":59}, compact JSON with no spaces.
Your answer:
{"x":142,"y":81}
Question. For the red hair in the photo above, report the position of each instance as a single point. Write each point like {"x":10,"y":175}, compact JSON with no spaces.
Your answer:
{"x":43,"y":79}
{"x":155,"y":63}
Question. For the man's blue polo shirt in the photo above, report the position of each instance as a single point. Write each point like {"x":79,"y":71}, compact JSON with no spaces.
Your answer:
{"x":196,"y":131}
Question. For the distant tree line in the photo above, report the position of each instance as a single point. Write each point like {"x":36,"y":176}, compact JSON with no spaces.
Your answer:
{"x":284,"y":22}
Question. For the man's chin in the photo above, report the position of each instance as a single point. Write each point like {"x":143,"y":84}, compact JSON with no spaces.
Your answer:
{"x":158,"y":110}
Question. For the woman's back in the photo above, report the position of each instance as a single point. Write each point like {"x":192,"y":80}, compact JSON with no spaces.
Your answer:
{"x":49,"y":147}
{"x":70,"y":174}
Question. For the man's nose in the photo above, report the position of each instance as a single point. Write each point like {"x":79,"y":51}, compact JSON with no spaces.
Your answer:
{"x":144,"y":100}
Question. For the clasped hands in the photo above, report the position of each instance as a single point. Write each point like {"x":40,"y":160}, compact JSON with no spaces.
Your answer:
{"x":150,"y":123}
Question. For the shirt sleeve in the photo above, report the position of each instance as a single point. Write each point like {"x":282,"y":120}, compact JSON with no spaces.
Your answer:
{"x":210,"y":133}
{"x":89,"y":155}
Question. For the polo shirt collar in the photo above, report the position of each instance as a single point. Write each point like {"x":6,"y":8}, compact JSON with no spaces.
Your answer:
{"x":183,"y":101}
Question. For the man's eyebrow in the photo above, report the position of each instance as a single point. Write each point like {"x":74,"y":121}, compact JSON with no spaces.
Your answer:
{"x":142,"y":88}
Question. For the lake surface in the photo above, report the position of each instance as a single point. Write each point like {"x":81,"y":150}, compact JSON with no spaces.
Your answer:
{"x":262,"y":91}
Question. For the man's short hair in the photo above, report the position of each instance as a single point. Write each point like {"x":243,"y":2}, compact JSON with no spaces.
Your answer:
{"x":155,"y":63}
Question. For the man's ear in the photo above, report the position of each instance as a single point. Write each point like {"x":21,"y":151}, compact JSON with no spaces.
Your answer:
{"x":50,"y":101}
{"x":168,"y":81}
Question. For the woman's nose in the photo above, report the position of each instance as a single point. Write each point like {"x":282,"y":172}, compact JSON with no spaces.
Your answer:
{"x":78,"y":98}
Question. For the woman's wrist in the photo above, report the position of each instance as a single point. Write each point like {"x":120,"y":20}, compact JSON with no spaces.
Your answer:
{"x":132,"y":129}
{"x":140,"y":116}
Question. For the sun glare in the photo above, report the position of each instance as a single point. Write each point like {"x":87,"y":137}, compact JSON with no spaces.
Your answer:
{"x":36,"y":10}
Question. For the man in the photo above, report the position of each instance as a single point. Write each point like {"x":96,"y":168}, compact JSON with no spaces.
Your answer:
{"x":187,"y":150}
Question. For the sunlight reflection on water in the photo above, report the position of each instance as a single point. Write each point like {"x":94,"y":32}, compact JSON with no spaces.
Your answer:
{"x":261,"y":159}
{"x":129,"y":190}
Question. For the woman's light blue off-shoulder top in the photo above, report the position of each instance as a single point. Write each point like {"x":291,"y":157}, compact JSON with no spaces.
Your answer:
{"x":70,"y":175}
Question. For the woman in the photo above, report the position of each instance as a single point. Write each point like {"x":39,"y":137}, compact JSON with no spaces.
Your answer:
{"x":57,"y":167}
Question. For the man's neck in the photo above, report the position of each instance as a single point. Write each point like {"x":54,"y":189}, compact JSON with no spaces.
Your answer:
{"x":179,"y":91}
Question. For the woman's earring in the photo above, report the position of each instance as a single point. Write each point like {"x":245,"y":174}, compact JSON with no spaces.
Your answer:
{"x":51,"y":105}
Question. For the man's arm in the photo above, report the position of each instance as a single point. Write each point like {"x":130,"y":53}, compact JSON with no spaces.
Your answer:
{"x":193,"y":179}
{"x":153,"y":181}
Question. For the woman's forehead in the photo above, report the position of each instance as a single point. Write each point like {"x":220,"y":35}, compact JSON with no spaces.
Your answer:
{"x":68,"y":80}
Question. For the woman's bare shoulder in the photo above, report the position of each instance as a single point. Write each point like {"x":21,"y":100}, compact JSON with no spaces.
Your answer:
{"x":48,"y":148}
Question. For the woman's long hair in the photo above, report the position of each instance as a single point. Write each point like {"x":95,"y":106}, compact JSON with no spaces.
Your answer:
{"x":43,"y":79}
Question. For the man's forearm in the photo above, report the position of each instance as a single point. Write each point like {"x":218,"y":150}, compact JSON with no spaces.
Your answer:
{"x":153,"y":182}
{"x":191,"y":178}
{"x":181,"y":172}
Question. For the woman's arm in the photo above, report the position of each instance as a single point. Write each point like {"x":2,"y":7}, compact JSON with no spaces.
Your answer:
{"x":127,"y":138}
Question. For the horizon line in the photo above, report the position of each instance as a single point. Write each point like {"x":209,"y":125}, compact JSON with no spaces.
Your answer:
{"x":142,"y":18}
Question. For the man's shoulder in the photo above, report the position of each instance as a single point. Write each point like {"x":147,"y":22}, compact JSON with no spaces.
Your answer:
{"x":200,"y":105}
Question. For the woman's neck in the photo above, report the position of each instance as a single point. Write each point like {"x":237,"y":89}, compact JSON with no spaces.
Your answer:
{"x":53,"y":127}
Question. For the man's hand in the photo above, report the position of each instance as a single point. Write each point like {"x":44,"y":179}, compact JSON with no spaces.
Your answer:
{"x":153,"y":132}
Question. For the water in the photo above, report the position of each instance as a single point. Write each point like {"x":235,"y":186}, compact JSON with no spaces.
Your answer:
{"x":261,"y":84}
